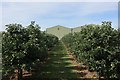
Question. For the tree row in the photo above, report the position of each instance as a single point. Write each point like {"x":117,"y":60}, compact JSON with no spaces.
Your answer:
{"x":23,"y":46}
{"x":98,"y":47}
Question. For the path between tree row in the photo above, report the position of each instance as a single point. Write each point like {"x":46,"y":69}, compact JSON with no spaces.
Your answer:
{"x":62,"y":66}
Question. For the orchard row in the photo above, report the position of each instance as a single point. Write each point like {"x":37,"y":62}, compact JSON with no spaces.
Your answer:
{"x":98,"y":47}
{"x":23,"y":46}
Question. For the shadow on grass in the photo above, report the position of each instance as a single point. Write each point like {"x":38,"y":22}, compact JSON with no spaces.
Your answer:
{"x":58,"y":67}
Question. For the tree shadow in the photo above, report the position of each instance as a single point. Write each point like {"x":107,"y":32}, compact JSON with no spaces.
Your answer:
{"x":58,"y":67}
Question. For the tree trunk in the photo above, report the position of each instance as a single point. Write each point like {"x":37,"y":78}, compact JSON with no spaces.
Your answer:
{"x":20,"y":76}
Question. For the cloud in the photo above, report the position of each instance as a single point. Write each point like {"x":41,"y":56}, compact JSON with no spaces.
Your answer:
{"x":68,"y":10}
{"x":0,"y":16}
{"x":24,"y":12}
{"x":101,"y":7}
{"x":60,"y":1}
{"x":49,"y":14}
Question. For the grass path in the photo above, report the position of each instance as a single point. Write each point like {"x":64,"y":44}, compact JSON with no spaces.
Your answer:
{"x":59,"y":65}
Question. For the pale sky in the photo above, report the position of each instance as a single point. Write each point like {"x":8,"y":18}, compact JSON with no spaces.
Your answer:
{"x":49,"y":14}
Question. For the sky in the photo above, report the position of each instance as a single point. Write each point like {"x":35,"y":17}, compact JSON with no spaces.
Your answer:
{"x":49,"y":14}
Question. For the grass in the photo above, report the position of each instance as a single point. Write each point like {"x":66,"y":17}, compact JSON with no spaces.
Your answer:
{"x":58,"y":65}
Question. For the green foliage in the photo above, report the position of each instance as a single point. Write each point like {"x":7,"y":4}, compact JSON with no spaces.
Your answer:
{"x":23,"y":46}
{"x":50,"y":38}
{"x":97,"y":46}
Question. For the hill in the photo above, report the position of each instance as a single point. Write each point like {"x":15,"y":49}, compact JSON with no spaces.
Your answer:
{"x":61,"y":31}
